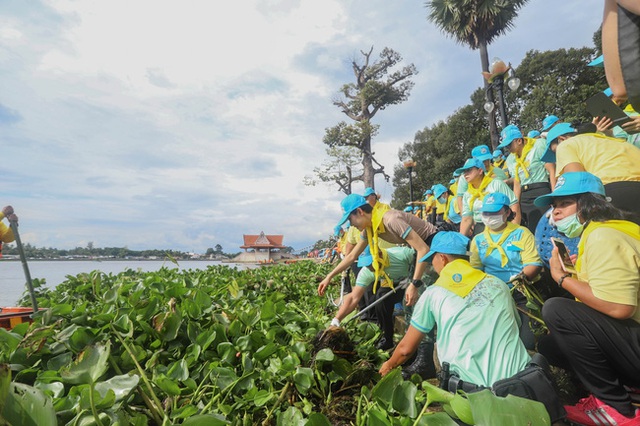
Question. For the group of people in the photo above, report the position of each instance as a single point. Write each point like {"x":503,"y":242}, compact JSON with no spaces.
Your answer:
{"x":492,"y":230}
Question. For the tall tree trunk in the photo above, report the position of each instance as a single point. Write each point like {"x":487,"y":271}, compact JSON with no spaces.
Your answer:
{"x":491,"y":117}
{"x":367,"y":164}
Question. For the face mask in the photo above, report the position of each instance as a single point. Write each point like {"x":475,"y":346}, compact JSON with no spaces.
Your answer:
{"x":493,"y":221}
{"x":570,"y":226}
{"x":442,"y":200}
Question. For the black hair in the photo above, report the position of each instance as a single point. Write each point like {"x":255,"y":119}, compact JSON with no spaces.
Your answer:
{"x":587,"y":127}
{"x":595,"y":207}
{"x":366,"y":208}
{"x":511,"y":214}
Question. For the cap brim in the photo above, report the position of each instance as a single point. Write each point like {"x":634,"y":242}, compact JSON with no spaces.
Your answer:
{"x":543,"y":200}
{"x":344,"y":218}
{"x":505,"y":144}
{"x":491,"y":208}
{"x":427,"y":257}
{"x":548,"y":156}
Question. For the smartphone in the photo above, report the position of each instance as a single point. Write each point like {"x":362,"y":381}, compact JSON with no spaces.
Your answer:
{"x":565,"y":257}
{"x":600,"y":105}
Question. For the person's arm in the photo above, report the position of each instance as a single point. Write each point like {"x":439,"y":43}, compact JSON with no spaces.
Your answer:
{"x":403,"y":352}
{"x":413,"y":239}
{"x":466,"y":226}
{"x":342,"y":266}
{"x":531,"y":271}
{"x":517,"y":213}
{"x":582,"y":291}
{"x":551,"y":169}
{"x":350,"y":302}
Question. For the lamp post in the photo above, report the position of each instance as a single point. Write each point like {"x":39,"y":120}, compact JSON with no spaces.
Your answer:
{"x":409,"y":165}
{"x":499,"y":72}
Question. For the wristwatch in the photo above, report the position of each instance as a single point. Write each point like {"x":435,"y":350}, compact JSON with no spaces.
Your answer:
{"x":561,"y":280}
{"x":417,"y":283}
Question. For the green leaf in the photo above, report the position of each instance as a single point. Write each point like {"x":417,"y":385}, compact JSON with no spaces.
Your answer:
{"x":262,"y":397}
{"x":461,"y":406}
{"x":383,"y":390}
{"x":497,"y":411}
{"x":303,"y":379}
{"x":436,"y":419}
{"x":169,"y":386}
{"x":266,"y":351}
{"x":121,"y":385}
{"x":206,"y":420}
{"x":325,"y":354}
{"x":28,"y":406}
{"x":5,"y":383}
{"x":377,"y":417}
{"x":291,"y":417}
{"x":318,"y":419}
{"x":404,"y":399}
{"x":178,"y":370}
{"x":267,"y":311}
{"x":53,"y":389}
{"x":89,"y":367}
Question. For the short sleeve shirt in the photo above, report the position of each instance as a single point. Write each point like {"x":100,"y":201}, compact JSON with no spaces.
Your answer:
{"x":611,"y":266}
{"x":520,"y":248}
{"x":537,"y":172}
{"x":397,"y":226}
{"x":494,"y":186}
{"x":401,"y":260}
{"x":473,"y":330}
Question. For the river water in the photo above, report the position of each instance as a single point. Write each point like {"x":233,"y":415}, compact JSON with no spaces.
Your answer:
{"x":13,"y":282}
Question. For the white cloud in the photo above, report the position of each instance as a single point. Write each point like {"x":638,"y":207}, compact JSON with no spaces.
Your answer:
{"x":164,"y":124}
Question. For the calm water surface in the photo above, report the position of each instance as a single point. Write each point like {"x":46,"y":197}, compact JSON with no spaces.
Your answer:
{"x":13,"y":282}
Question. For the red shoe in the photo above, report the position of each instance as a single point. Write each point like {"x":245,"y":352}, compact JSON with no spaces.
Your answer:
{"x":591,"y":411}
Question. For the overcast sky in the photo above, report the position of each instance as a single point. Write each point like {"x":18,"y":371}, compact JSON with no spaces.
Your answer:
{"x":184,"y":124}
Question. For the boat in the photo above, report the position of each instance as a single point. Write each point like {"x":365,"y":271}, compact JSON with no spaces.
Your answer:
{"x":12,"y":316}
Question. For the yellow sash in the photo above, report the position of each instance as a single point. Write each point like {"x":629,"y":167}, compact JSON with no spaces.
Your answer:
{"x":624,"y":226}
{"x":478,"y":193}
{"x":459,"y":277}
{"x":377,"y":227}
{"x":521,"y":161}
{"x":498,"y":244}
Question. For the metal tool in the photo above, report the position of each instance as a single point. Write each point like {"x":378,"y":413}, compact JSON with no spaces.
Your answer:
{"x":343,"y":286}
{"x":23,"y":259}
{"x":401,"y":286}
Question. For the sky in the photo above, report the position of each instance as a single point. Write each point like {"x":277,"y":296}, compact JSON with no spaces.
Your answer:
{"x":156,"y":124}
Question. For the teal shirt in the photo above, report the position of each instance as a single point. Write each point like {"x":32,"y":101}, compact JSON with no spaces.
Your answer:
{"x":401,"y":260}
{"x":494,"y":186}
{"x":478,"y":335}
{"x":537,"y":172}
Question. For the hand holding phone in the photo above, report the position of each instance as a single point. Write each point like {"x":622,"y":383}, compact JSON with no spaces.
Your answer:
{"x":600,"y":105}
{"x":563,"y":254}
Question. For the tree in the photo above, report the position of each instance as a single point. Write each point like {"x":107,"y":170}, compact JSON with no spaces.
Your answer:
{"x":377,"y":85}
{"x":218,"y":249}
{"x":476,"y":23}
{"x":344,"y":162}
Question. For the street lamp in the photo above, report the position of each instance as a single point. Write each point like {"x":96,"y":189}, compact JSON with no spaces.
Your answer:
{"x":499,"y":72}
{"x":409,"y":165}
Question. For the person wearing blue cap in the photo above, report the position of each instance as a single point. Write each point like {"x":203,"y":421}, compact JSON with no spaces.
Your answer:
{"x":530,"y":173}
{"x":480,"y":185}
{"x":370,"y":195}
{"x":381,"y":223}
{"x":615,"y":162}
{"x":400,"y":264}
{"x":505,"y":250}
{"x":598,"y":335}
{"x":548,"y":122}
{"x":474,"y":314}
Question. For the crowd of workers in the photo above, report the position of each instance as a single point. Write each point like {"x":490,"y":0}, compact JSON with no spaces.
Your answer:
{"x":504,"y":300}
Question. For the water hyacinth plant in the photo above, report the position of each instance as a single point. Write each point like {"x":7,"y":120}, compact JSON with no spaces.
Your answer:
{"x":202,"y":347}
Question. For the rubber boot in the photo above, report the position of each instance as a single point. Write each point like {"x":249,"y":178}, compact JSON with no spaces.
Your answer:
{"x":423,"y":364}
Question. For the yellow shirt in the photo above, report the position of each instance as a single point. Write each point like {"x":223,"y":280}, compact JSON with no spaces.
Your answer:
{"x":611,"y":159}
{"x":6,"y":234}
{"x":611,"y":266}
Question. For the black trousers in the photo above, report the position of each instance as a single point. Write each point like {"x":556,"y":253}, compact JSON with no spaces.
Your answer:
{"x":384,"y":310}
{"x":531,"y":214}
{"x":604,"y":352}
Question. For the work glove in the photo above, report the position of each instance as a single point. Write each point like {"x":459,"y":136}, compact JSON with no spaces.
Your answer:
{"x":335,"y":322}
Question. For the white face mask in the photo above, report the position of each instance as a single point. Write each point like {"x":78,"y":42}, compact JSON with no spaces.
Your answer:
{"x":493,"y":221}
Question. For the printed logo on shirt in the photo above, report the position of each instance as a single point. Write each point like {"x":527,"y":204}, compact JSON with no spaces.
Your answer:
{"x":456,"y":277}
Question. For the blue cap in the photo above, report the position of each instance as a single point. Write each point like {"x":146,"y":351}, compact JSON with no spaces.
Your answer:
{"x":497,"y":154}
{"x":408,"y":209}
{"x":608,"y":92}
{"x":469,"y":164}
{"x":456,"y":174}
{"x":365,"y":259}
{"x":597,"y":62}
{"x":336,"y":230}
{"x":549,"y":121}
{"x":558,"y":130}
{"x":494,"y":202}
{"x":572,"y":183}
{"x":533,"y":134}
{"x":369,"y":191}
{"x":349,"y":204}
{"x":438,"y":190}
{"x":447,"y":242}
{"x":452,"y":181}
{"x":481,"y":152}
{"x":508,"y":135}
{"x":428,"y":192}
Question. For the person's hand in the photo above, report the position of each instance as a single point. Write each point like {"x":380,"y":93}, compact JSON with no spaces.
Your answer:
{"x":7,"y":211}
{"x":602,"y":123}
{"x":411,"y":295}
{"x":322,"y":287}
{"x":385,"y":368}
{"x":12,"y":218}
{"x":555,"y":265}
{"x":632,"y":126}
{"x":335,"y":322}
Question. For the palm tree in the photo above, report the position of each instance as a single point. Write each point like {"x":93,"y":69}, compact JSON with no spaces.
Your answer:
{"x":476,"y":23}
